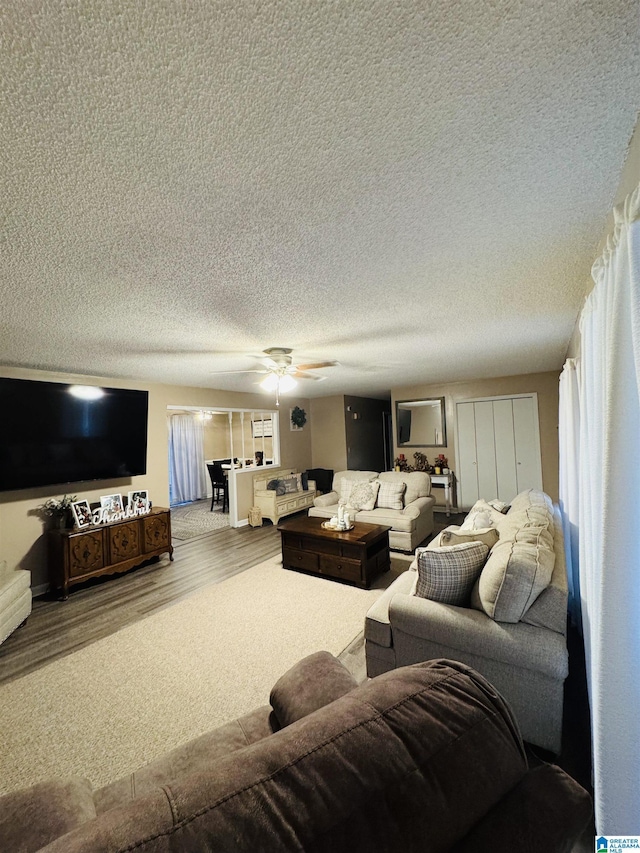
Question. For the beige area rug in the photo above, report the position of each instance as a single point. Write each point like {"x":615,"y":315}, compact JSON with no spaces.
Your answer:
{"x":106,"y":709}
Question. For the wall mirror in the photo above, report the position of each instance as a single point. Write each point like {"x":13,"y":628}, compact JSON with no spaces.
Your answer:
{"x":421,"y":423}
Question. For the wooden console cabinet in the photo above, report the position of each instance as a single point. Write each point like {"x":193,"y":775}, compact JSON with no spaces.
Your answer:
{"x":77,"y":555}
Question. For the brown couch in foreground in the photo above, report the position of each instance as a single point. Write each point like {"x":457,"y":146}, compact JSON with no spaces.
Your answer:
{"x":424,"y":758}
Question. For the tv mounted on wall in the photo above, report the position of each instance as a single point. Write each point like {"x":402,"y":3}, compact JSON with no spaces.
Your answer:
{"x":52,"y":433}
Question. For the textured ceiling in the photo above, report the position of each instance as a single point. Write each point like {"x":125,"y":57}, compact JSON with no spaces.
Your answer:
{"x":415,"y":189}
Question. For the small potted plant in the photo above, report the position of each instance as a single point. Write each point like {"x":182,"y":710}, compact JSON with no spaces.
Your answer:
{"x":58,"y":509}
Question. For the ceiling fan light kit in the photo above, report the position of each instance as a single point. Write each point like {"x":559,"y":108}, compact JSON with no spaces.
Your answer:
{"x":281,"y":374}
{"x":270,"y":382}
{"x":278,"y":381}
{"x":286,"y":383}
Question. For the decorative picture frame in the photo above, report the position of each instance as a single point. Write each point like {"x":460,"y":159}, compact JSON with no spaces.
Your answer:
{"x":262,"y":428}
{"x":139,"y":500}
{"x":82,"y":515}
{"x":297,"y":418}
{"x":111,"y":503}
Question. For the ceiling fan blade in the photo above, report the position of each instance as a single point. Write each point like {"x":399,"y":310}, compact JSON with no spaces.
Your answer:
{"x":317,"y":365}
{"x":254,"y":370}
{"x":299,"y":374}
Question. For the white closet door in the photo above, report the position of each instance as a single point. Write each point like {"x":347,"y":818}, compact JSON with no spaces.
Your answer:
{"x":467,"y":466}
{"x":485,"y":450}
{"x":527,"y":442}
{"x":506,"y":476}
{"x":498,"y":452}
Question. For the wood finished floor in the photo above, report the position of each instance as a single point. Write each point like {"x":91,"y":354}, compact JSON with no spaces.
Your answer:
{"x":104,"y":606}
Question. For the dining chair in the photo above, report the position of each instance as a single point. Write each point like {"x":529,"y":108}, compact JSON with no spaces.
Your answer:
{"x":219,"y":483}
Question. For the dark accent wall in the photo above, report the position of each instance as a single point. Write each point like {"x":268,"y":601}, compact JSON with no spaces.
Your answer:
{"x":364,"y":427}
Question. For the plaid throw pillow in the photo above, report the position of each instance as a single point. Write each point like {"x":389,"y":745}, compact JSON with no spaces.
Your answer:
{"x":363,"y":495}
{"x":448,"y":574}
{"x":390,"y":495}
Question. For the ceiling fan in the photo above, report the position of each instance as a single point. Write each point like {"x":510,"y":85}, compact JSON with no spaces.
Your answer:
{"x":280,"y":374}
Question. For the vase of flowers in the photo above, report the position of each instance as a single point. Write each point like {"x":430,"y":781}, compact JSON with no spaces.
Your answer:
{"x":440,"y":463}
{"x":421,"y":461}
{"x":58,"y":510}
{"x":401,"y":464}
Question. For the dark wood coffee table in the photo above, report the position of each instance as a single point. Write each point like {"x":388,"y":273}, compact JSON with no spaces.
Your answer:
{"x":357,"y":556}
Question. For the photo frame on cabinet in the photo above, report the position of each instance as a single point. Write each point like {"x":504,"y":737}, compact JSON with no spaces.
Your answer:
{"x":139,"y":500}
{"x":82,"y":515}
{"x":111,"y":503}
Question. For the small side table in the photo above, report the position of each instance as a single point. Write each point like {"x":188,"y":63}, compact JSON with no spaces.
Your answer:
{"x":445,"y":480}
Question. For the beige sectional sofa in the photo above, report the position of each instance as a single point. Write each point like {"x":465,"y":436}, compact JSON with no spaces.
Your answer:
{"x":513,"y":629}
{"x":407,"y":509}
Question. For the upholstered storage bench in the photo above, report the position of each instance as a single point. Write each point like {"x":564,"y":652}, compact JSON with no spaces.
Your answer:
{"x":276,"y":503}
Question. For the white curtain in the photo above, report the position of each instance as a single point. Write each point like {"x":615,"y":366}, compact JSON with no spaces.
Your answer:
{"x":187,"y":470}
{"x":609,"y":521}
{"x":569,"y":441}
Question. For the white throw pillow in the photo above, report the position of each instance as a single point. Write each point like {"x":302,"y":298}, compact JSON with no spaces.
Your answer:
{"x":363,"y":495}
{"x":346,"y":487}
{"x":501,"y":506}
{"x":476,"y":520}
{"x":390,"y":495}
{"x":482,"y":514}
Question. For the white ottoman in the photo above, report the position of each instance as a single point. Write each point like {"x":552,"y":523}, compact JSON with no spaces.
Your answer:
{"x":15,"y":599}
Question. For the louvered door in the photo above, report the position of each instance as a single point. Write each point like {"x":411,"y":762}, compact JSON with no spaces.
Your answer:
{"x":498,"y":448}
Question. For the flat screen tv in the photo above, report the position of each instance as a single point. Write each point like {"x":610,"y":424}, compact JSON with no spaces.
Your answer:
{"x":51,"y":433}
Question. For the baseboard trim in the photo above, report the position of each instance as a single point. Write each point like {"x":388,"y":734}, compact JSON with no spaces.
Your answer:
{"x":41,"y":589}
{"x":244,"y":522}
